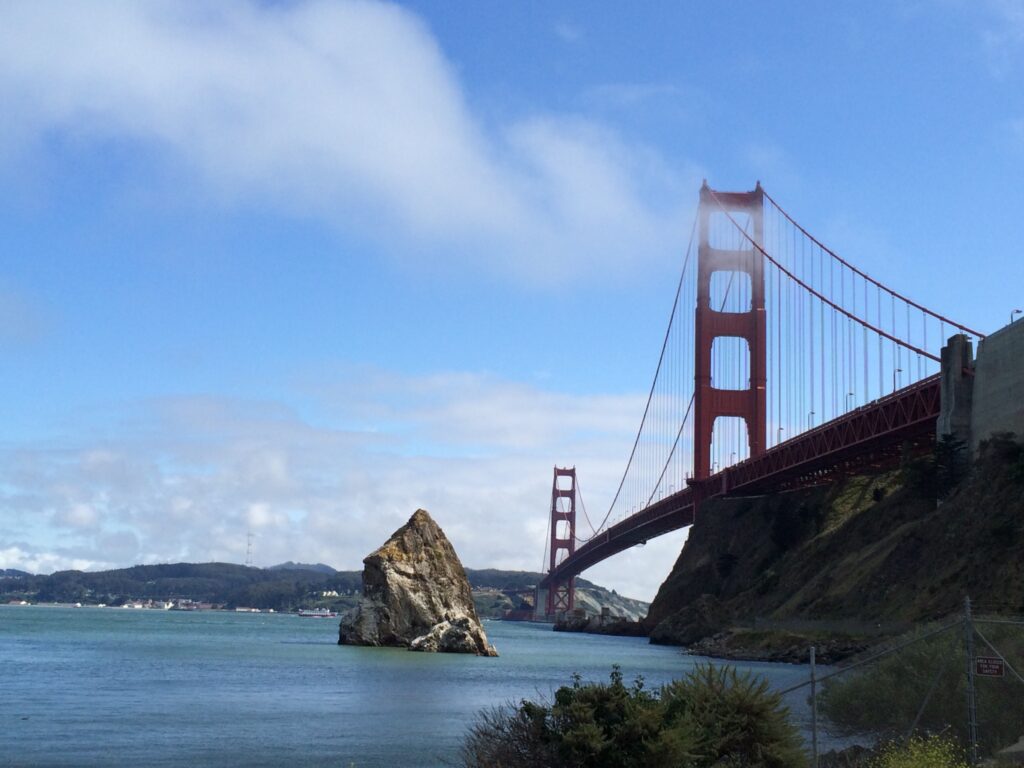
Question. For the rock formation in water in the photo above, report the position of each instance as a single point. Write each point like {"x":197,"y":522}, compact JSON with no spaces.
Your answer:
{"x":416,"y":595}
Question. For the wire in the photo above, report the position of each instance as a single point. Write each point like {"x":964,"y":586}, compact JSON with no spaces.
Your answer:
{"x":668,"y":461}
{"x":864,"y":275}
{"x":583,"y":507}
{"x":828,"y":301}
{"x":661,"y":357}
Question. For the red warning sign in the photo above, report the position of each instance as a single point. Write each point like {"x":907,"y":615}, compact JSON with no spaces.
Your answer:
{"x":989,"y":666}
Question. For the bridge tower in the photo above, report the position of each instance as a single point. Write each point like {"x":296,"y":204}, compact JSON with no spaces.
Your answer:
{"x":709,"y":401}
{"x":561,"y":595}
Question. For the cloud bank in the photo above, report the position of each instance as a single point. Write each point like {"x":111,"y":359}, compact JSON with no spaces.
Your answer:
{"x":195,"y":474}
{"x":348,"y":112}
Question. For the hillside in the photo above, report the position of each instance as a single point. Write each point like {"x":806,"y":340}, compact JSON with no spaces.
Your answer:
{"x":864,"y":557}
{"x":290,"y":566}
{"x":285,"y":587}
{"x":496,"y":592}
{"x":218,"y":583}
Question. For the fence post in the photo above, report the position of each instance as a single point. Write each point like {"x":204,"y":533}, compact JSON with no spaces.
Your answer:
{"x":972,"y":707}
{"x":814,"y":712}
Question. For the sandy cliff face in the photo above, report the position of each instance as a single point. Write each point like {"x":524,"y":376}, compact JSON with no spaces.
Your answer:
{"x":416,"y":595}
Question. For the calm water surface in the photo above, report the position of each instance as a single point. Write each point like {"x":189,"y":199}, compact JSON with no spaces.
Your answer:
{"x":115,"y":687}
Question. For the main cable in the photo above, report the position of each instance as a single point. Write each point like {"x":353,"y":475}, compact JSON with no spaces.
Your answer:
{"x":661,"y":357}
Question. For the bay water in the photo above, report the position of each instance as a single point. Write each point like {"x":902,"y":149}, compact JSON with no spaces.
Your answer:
{"x":121,"y":687}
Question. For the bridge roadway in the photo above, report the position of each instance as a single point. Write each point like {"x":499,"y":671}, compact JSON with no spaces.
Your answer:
{"x":870,"y":437}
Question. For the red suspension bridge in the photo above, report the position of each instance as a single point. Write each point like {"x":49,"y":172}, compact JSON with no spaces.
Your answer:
{"x":783,"y":365}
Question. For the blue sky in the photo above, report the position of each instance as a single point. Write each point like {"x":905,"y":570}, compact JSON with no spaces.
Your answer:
{"x":301,"y":268}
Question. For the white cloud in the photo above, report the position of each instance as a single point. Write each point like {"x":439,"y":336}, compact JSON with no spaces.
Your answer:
{"x":78,"y":515}
{"x":197,"y":474}
{"x":345,"y":111}
{"x":44,"y":562}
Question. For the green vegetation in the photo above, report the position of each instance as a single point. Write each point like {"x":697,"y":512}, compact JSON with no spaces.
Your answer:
{"x":712,"y":717}
{"x":493,"y":603}
{"x":285,"y":587}
{"x":925,"y":683}
{"x":936,"y":475}
{"x":218,"y":583}
{"x":927,"y":752}
{"x":864,"y":556}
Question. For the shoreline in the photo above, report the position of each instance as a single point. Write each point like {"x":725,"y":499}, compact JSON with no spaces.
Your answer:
{"x":743,"y":644}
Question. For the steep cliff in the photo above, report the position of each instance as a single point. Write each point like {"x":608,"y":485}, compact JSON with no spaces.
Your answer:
{"x":416,"y":595}
{"x":861,"y":558}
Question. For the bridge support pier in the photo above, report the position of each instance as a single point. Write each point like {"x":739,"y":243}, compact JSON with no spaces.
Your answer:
{"x":561,"y":595}
{"x":957,"y":389}
{"x":710,"y":402}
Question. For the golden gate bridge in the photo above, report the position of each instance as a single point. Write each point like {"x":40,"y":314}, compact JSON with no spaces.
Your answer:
{"x":783,"y":365}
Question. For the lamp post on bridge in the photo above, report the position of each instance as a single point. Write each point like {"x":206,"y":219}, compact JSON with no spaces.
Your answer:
{"x":810,"y":419}
{"x":898,"y":370}
{"x":778,"y":439}
{"x":848,"y":396}
{"x":1015,"y":312}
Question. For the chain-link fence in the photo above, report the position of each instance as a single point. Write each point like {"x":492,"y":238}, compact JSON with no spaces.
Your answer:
{"x":957,"y":684}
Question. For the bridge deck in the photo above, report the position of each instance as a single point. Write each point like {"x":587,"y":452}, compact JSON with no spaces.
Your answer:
{"x":870,"y":437}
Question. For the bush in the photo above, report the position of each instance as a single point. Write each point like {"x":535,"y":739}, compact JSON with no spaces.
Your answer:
{"x":713,"y":716}
{"x":736,"y":719}
{"x":951,"y":464}
{"x":925,"y":684}
{"x":928,"y":752}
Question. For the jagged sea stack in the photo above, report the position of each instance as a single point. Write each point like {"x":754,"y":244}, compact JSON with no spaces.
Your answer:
{"x":416,"y":595}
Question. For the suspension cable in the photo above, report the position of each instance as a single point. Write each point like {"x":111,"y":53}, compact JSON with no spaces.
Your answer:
{"x":819,"y":296}
{"x":675,"y":443}
{"x":867,"y":277}
{"x":583,"y":506}
{"x":661,"y":357}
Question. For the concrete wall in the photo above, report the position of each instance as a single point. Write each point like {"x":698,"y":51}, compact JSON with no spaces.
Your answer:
{"x":957,"y":389}
{"x":997,"y":403}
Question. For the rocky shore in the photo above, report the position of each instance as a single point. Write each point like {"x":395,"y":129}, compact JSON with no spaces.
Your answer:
{"x":600,"y":625}
{"x":736,"y":644}
{"x":778,"y":646}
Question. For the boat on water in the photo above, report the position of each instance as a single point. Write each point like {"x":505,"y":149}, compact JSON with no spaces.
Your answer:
{"x":317,"y":613}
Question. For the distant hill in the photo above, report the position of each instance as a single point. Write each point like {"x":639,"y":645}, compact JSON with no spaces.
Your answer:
{"x":482,"y":578}
{"x":496,"y":592}
{"x":290,"y":566}
{"x":13,"y":573}
{"x":284,"y":587}
{"x":221,"y":583}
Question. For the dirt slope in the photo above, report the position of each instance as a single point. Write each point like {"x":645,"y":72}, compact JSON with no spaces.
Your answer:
{"x":870,"y":553}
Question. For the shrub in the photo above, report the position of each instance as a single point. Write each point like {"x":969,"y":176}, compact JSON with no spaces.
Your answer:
{"x":735,"y":718}
{"x":926,"y":752}
{"x":925,"y":684}
{"x":713,"y":716}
